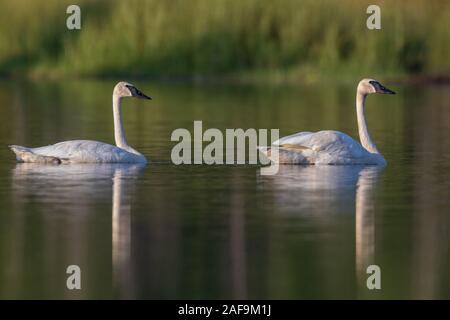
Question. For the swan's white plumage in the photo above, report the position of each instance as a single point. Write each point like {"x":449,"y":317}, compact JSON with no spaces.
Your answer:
{"x":88,"y":151}
{"x":329,"y":146}
{"x":324,"y":147}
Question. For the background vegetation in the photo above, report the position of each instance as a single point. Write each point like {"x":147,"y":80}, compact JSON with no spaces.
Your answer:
{"x":243,"y":39}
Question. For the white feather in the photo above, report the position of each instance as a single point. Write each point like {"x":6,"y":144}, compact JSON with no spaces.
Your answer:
{"x":88,"y":151}
{"x":326,"y":147}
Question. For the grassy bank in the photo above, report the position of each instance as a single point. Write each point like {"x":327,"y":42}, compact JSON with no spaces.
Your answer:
{"x":248,"y":39}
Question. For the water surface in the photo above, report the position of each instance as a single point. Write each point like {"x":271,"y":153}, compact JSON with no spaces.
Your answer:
{"x":167,"y":231}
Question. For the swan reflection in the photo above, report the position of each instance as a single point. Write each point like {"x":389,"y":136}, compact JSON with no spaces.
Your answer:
{"x":319,"y":190}
{"x":77,"y":189}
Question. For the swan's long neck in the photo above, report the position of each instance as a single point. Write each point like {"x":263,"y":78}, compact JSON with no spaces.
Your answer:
{"x":119,"y":132}
{"x":364,"y":135}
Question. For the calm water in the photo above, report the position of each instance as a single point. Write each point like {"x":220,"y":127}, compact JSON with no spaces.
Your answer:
{"x":166,"y":231}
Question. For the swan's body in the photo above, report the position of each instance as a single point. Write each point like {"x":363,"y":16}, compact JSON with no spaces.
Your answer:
{"x":325,"y":147}
{"x":88,"y":151}
{"x":77,"y":151}
{"x":333,"y":147}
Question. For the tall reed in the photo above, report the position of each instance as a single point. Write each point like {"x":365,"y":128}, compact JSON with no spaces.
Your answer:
{"x":302,"y":40}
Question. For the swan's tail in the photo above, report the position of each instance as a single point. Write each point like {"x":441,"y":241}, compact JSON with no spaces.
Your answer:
{"x":24,"y":154}
{"x":264,"y":150}
{"x":267,"y":152}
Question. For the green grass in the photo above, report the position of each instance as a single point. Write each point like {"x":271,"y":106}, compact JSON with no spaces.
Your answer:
{"x":257,"y":40}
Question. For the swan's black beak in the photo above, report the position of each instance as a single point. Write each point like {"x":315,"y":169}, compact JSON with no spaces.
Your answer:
{"x":388,"y":91}
{"x":135,"y":92}
{"x":144,"y":96}
{"x":384,"y":90}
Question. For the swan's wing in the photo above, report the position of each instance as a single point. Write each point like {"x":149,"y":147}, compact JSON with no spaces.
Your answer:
{"x":298,"y":138}
{"x":84,"y":151}
{"x":293,"y":147}
{"x":331,"y":147}
{"x":24,"y":154}
{"x":289,"y":153}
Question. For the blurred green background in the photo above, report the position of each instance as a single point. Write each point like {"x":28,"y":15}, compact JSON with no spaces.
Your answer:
{"x":256,"y":40}
{"x":224,"y":232}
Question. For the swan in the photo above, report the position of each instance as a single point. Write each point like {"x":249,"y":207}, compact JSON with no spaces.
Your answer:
{"x":331,"y":147}
{"x":88,"y":151}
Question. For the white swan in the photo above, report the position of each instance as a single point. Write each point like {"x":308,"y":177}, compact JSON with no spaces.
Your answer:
{"x":333,"y":147}
{"x":88,"y":151}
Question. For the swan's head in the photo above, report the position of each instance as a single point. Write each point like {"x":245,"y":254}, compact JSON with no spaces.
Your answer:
{"x":367,"y":86}
{"x":125,"y":89}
